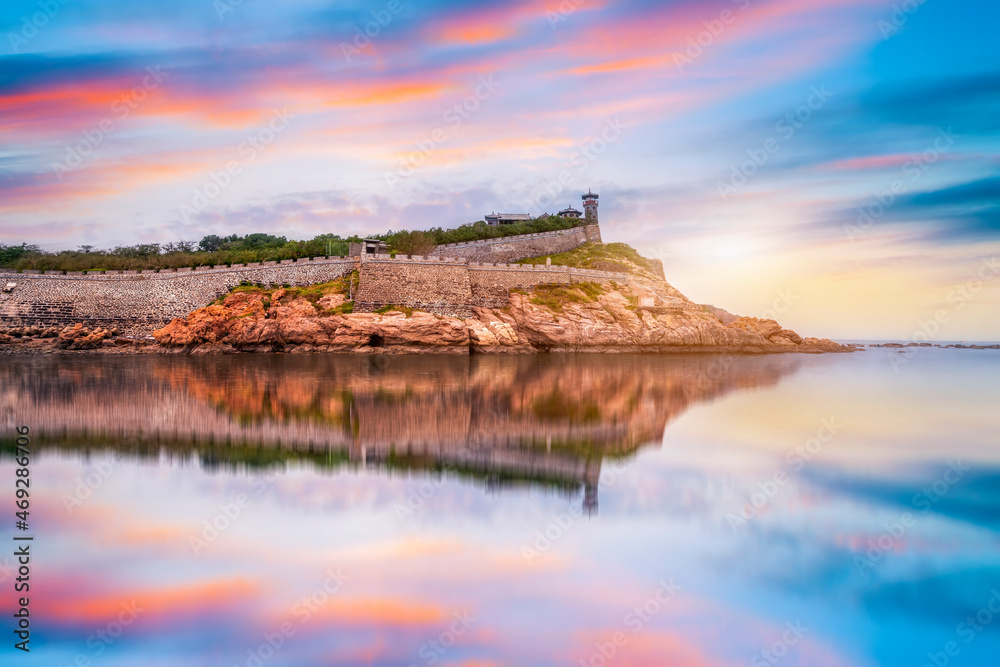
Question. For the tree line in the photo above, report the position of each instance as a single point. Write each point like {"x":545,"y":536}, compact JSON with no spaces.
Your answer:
{"x":258,"y":247}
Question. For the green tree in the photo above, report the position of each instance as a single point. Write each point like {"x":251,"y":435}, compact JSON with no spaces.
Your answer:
{"x":12,"y":253}
{"x":210,"y":243}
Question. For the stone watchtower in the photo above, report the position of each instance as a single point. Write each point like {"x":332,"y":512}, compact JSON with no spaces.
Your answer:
{"x":590,"y":208}
{"x":592,"y":229}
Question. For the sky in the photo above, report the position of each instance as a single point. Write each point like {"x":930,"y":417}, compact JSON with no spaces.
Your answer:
{"x":830,"y":163}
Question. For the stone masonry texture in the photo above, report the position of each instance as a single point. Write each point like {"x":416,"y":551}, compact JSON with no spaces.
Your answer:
{"x":514,"y":248}
{"x":455,"y":279}
{"x":138,"y":303}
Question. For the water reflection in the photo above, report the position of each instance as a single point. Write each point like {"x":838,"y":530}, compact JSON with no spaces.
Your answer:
{"x":221,"y":495}
{"x":548,"y":421}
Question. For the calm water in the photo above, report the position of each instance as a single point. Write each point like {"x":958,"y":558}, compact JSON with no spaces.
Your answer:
{"x":549,"y":510}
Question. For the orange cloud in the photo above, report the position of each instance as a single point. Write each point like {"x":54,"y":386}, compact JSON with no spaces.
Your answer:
{"x":66,"y":601}
{"x":485,"y":25}
{"x":655,"y":39}
{"x":73,"y":107}
{"x":381,"y":612}
{"x":383,"y":93}
{"x":99,"y":178}
{"x":651,"y":647}
{"x":643,"y":62}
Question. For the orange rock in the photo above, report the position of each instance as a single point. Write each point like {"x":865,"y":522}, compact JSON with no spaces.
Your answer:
{"x":610,"y":322}
{"x":77,"y":337}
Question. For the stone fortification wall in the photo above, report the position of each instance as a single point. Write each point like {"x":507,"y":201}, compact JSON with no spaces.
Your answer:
{"x":514,"y":248}
{"x":438,"y":285}
{"x":455,"y":279}
{"x":139,"y":302}
{"x":491,"y":283}
{"x":449,"y":286}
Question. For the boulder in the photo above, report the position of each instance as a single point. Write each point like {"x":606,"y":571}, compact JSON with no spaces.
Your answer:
{"x":78,"y":337}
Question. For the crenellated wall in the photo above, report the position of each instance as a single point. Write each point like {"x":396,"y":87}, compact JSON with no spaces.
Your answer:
{"x":452,"y":282}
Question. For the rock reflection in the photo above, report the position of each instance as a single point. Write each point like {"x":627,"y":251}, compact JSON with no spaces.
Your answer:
{"x":547,"y":420}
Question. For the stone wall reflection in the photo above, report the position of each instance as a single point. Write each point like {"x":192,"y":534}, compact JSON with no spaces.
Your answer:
{"x":540,"y":419}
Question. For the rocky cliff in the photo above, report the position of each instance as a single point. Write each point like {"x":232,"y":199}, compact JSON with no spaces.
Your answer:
{"x":581,"y":317}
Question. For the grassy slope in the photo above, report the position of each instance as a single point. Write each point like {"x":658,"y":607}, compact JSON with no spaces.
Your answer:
{"x":555,"y":297}
{"x":619,"y":257}
{"x":311,"y":293}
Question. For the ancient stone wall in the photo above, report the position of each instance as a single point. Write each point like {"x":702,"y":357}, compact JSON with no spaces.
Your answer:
{"x":448,"y":286}
{"x":491,"y":283}
{"x":455,"y":279}
{"x":514,"y":248}
{"x":438,"y":285}
{"x":139,"y":302}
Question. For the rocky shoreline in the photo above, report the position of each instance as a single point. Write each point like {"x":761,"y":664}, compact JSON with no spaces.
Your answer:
{"x":957,"y":346}
{"x":568,"y":318}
